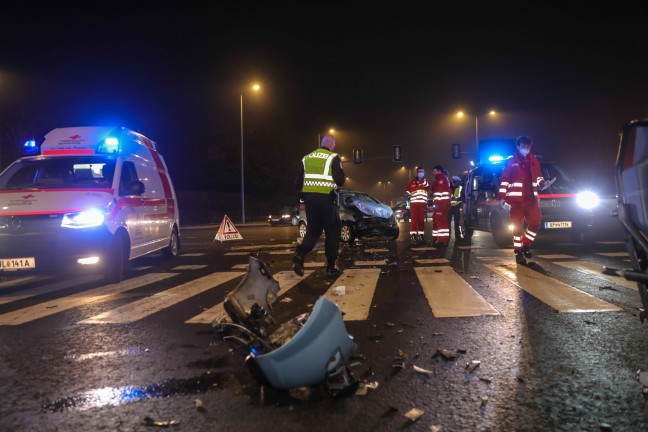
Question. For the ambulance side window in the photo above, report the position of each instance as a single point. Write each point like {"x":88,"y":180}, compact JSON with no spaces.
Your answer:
{"x":128,"y":176}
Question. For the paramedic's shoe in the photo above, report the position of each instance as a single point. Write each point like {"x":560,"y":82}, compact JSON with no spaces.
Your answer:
{"x":415,"y":240}
{"x":298,"y":265}
{"x":519,"y":257}
{"x":526,"y":252}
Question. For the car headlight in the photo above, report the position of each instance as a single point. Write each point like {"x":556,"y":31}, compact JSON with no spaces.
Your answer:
{"x":83,"y":219}
{"x":587,"y":200}
{"x":285,"y":216}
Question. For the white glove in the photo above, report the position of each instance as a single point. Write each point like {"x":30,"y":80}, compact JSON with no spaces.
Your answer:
{"x":548,"y":183}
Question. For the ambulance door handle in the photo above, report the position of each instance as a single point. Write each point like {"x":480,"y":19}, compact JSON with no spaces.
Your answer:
{"x":142,"y":201}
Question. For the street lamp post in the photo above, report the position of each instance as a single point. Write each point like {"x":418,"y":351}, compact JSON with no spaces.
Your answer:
{"x":490,"y":113}
{"x":384,"y":185}
{"x":255,"y":87}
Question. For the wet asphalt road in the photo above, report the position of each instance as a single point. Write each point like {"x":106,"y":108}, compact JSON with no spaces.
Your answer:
{"x":539,"y":369}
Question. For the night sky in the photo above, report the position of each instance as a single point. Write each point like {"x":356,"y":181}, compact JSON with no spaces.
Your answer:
{"x":569,"y":76}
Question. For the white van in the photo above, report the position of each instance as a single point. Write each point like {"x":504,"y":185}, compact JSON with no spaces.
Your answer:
{"x":95,"y":198}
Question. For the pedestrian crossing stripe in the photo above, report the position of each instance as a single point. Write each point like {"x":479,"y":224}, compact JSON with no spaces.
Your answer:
{"x":360,"y":285}
{"x":368,"y":263}
{"x":227,"y":231}
{"x":431,"y":261}
{"x":95,"y":295}
{"x":286,"y":280}
{"x":552,"y":292}
{"x":597,"y":270}
{"x":46,"y":288}
{"x":613,"y":254}
{"x":449,"y":296}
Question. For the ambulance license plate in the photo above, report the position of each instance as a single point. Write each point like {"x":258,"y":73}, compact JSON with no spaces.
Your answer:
{"x":17,"y":263}
{"x":563,"y":224}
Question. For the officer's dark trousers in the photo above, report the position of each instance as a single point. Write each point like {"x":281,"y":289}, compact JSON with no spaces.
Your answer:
{"x":322,"y":215}
{"x":455,"y":213}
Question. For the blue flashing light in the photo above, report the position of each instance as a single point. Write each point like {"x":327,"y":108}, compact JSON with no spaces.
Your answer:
{"x":30,"y":147}
{"x":110,"y":145}
{"x":495,"y":158}
{"x":254,"y":352}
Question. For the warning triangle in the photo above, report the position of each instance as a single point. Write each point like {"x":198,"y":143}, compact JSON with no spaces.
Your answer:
{"x":227,"y":231}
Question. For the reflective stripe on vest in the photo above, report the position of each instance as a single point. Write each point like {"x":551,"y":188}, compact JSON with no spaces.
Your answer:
{"x":318,"y":173}
{"x":455,"y":196}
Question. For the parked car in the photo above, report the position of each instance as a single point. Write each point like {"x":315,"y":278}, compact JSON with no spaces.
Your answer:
{"x":402,"y":213}
{"x":285,"y":216}
{"x":361,"y":215}
{"x":566,"y":206}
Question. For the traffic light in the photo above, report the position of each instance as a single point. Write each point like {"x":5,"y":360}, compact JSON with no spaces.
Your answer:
{"x":456,"y":151}
{"x":398,"y":155}
{"x":357,"y":156}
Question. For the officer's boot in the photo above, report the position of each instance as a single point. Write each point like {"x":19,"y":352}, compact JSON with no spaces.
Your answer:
{"x":332,"y":271}
{"x":298,"y":264}
{"x":415,"y":239}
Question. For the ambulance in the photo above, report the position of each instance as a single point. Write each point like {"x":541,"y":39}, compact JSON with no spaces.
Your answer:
{"x":94,"y":199}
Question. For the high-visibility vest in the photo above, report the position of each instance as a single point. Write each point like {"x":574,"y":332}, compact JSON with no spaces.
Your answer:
{"x":455,"y":196}
{"x":318,"y":172}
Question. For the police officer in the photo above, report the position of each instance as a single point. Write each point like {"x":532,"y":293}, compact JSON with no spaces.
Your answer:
{"x":456,"y":199}
{"x":318,"y":178}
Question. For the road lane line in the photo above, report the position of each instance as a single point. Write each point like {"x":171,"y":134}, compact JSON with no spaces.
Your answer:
{"x":555,"y":294}
{"x":48,"y":288}
{"x":613,"y":254}
{"x":432,"y":261}
{"x":556,"y":256}
{"x":103,"y":293}
{"x":596,"y":270}
{"x":286,"y":279}
{"x":449,"y":296}
{"x":142,"y":308}
{"x":360,"y":285}
{"x":369,"y":263}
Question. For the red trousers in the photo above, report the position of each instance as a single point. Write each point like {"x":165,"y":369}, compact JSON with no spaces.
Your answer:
{"x":441,"y":230}
{"x":417,"y":218}
{"x":527,"y":211}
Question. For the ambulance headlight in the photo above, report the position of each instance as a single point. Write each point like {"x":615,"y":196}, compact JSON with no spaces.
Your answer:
{"x":587,"y":200}
{"x":83,"y":219}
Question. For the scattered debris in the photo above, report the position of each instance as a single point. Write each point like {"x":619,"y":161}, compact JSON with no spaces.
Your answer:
{"x":300,"y":393}
{"x":462,"y":351}
{"x":421,"y":370}
{"x":148,"y":421}
{"x":474,"y":277}
{"x":414,"y":414}
{"x":509,"y":299}
{"x":285,"y":300}
{"x":438,"y":270}
{"x":472,"y":365}
{"x":437,"y":334}
{"x":604,"y":427}
{"x":486,"y":380}
{"x":608,"y":288}
{"x":590,"y":322}
{"x":390,"y":324}
{"x":364,"y":386}
{"x":446,"y":353}
{"x":340,"y":290}
{"x":199,"y":405}
{"x":436,"y":428}
{"x":484,"y":400}
{"x":642,"y":377}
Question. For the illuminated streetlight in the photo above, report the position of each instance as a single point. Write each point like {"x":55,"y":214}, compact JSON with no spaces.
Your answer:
{"x":490,"y":113}
{"x":256,"y":88}
{"x":384,"y":185}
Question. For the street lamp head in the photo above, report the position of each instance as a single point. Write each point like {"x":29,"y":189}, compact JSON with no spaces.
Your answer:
{"x":256,"y":87}
{"x":460,"y":114}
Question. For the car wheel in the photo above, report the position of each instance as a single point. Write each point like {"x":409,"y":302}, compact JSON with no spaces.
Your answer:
{"x":346,"y":233}
{"x":174,"y":245}
{"x":114,"y":263}
{"x":302,"y":229}
{"x":294,"y":221}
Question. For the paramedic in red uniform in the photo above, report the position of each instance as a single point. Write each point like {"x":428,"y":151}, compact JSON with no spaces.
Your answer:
{"x":441,"y":198}
{"x":417,"y":193}
{"x":519,"y":184}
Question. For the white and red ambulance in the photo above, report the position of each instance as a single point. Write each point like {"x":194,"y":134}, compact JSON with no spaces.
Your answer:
{"x":95,"y":198}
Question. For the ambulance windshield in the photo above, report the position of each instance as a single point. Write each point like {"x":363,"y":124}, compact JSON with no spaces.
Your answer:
{"x":61,"y":172}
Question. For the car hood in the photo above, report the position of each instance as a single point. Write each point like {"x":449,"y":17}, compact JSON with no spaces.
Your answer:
{"x":373,"y":209}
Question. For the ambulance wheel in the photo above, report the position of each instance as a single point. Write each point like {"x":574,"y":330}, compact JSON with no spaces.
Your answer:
{"x":302,"y":229}
{"x":114,"y":262}
{"x":503,"y":238}
{"x":174,"y":245}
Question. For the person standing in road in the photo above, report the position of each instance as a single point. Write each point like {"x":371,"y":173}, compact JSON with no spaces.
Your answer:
{"x":319,"y":177}
{"x":519,"y":183}
{"x":417,"y":194}
{"x":441,"y":199}
{"x":456,"y":200}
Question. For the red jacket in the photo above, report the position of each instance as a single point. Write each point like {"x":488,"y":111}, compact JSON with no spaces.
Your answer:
{"x":418,"y":191}
{"x":516,"y":176}
{"x":441,"y":192}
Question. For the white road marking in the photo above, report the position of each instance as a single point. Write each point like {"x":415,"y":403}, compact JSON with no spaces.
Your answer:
{"x":236,"y":253}
{"x":19,"y":281}
{"x":189,"y":267}
{"x":48,"y":288}
{"x":556,"y":256}
{"x":432,"y":261}
{"x":100,"y":294}
{"x":147,"y":306}
{"x":369,"y":263}
{"x":360,"y":285}
{"x":613,"y":254}
{"x":597,"y":270}
{"x":287,"y":252}
{"x":253,"y":247}
{"x":192,"y":254}
{"x":422,"y":248}
{"x":286,"y":279}
{"x":555,"y":294}
{"x":376,"y":250}
{"x":449,"y":296}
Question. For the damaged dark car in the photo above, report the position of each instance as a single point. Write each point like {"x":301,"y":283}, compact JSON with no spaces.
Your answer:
{"x":362,"y":216}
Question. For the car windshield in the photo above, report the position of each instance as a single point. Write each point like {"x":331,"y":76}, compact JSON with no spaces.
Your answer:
{"x":563,"y":183}
{"x":59,"y":172}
